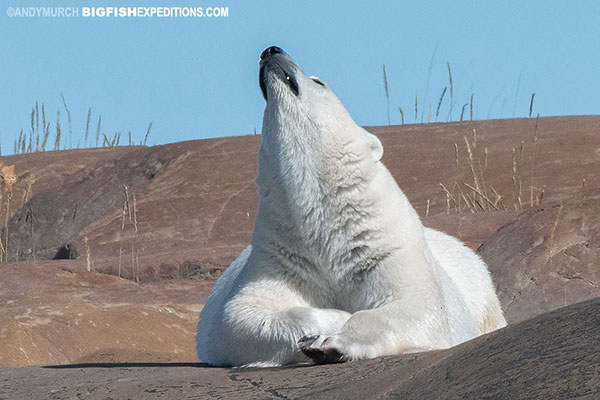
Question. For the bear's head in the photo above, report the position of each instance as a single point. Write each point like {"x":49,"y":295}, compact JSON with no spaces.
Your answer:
{"x":303,"y":111}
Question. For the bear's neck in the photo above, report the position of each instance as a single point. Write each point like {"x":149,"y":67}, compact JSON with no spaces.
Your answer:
{"x":315,"y":204}
{"x":290,"y":178}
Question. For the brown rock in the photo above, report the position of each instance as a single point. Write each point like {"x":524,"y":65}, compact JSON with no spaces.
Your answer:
{"x":195,"y":207}
{"x":472,"y":229}
{"x":196,"y":200}
{"x":547,"y":257}
{"x":54,"y":313}
{"x":553,"y":356}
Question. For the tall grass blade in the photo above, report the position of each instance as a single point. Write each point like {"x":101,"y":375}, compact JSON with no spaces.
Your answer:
{"x":87,"y":127}
{"x":147,"y":134}
{"x":531,"y":104}
{"x":58,"y":132}
{"x":43,"y":117}
{"x":98,"y":130}
{"x":451,"y":91}
{"x":437,"y":111}
{"x":387,"y":93}
{"x":517,"y":94}
{"x":37,"y":119}
{"x":471,"y":109}
{"x":46,"y":134}
{"x":401,"y":114}
{"x":416,"y":108}
{"x":462,"y":111}
{"x":68,"y":120}
{"x":428,"y":78}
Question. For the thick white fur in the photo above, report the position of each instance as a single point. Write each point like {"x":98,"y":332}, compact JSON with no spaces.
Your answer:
{"x":337,"y":251}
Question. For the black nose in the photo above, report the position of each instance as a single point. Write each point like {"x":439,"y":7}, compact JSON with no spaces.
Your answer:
{"x":269,"y":51}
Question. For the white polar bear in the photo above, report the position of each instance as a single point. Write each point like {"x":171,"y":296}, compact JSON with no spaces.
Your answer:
{"x":339,"y":266}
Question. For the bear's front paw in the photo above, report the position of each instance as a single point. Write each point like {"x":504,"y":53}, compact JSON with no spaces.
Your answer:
{"x":321,"y":349}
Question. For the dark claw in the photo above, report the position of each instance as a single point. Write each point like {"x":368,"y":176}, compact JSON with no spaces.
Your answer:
{"x":318,"y":356}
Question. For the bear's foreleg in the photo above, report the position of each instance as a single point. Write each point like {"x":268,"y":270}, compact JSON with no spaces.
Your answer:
{"x":264,"y":327}
{"x":387,"y":330}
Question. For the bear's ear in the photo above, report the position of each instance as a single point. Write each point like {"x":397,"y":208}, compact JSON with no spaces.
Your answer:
{"x":375,"y":146}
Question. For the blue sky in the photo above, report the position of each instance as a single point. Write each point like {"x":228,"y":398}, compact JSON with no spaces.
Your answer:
{"x":197,"y":77}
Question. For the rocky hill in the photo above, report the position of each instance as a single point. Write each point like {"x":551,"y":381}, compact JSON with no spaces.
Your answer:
{"x":85,"y":226}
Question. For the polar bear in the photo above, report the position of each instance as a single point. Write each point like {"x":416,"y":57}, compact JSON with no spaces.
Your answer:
{"x":339,"y":266}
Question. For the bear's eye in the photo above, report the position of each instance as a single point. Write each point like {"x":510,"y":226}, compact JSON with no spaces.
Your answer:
{"x":318,"y":81}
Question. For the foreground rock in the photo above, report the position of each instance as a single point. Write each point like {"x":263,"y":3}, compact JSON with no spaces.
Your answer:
{"x":54,"y":313}
{"x":551,"y":356}
{"x":195,"y":205}
{"x":547,"y":257}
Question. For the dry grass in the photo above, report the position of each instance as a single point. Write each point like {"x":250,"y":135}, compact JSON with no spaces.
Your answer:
{"x":536,"y":194}
{"x":444,"y":110}
{"x":531,"y":104}
{"x":129,"y":220}
{"x":471,"y":106}
{"x":401,"y":114}
{"x":98,"y":129}
{"x":147,"y":134}
{"x":451,"y":91}
{"x":124,"y":213}
{"x":87,"y":127}
{"x":437,"y":110}
{"x":416,"y":108}
{"x":68,"y":120}
{"x":135,"y":261}
{"x":6,"y":219}
{"x":58,"y":132}
{"x":36,"y":139}
{"x":3,"y":253}
{"x":387,"y":93}
{"x":476,"y":195}
{"x":31,"y":219}
{"x":462,"y":111}
{"x":516,"y":177}
{"x":88,"y":258}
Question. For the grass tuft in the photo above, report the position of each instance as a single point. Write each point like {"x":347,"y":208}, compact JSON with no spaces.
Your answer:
{"x":447,"y":109}
{"x":36,"y":138}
